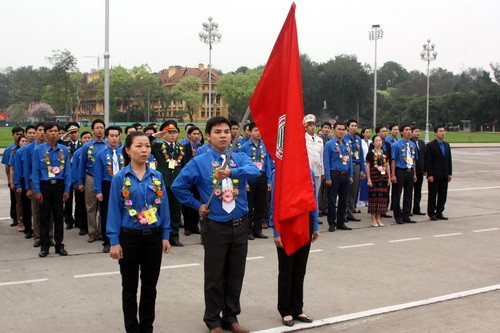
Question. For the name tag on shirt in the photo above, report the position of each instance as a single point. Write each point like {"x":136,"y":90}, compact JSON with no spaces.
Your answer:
{"x":51,"y":174}
{"x":150,"y":215}
{"x":152,"y":165}
{"x":171,"y":164}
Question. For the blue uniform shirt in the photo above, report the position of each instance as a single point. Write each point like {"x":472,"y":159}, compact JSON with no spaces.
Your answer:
{"x":198,"y":172}
{"x":7,"y":152}
{"x":357,"y":154}
{"x":391,"y":140}
{"x":103,"y":164}
{"x":40,"y":168}
{"x":12,"y":156}
{"x":77,"y":159}
{"x":333,"y":161}
{"x":87,"y":160}
{"x":203,"y":149}
{"x":254,"y":152}
{"x":184,"y":141}
{"x":399,"y":153}
{"x":27,"y":162}
{"x":18,"y":169}
{"x":142,"y":195}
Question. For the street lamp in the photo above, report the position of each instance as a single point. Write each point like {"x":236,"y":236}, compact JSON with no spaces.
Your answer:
{"x":428,"y":54}
{"x":375,"y":34}
{"x":210,"y":35}
{"x":106,"y":65}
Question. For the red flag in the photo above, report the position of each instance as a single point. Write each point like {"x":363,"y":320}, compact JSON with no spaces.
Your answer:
{"x":276,"y":101}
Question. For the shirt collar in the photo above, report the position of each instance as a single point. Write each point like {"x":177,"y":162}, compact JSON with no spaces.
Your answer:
{"x":128,"y":171}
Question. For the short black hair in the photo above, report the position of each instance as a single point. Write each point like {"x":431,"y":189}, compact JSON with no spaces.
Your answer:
{"x":350,"y":121}
{"x":28,"y":127}
{"x":338,"y":123}
{"x":149,"y":127}
{"x":42,"y":124}
{"x":97,"y":121}
{"x":391,"y":126}
{"x":85,"y":132}
{"x":127,"y":128}
{"x":246,"y":126}
{"x":110,"y":128}
{"x":379,"y":128}
{"x":252,"y":125}
{"x":326,"y":123}
{"x":128,"y":143}
{"x":364,"y":130}
{"x":437,"y":127}
{"x":186,"y":126}
{"x":192,"y":129}
{"x":50,"y":125}
{"x":137,"y":125}
{"x":234,"y":123}
{"x":17,"y":129}
{"x":402,"y":127}
{"x":216,"y":121}
{"x":415,"y":128}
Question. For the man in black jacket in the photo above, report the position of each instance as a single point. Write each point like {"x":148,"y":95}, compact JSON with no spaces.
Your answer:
{"x":420,"y":168}
{"x":439,"y":170}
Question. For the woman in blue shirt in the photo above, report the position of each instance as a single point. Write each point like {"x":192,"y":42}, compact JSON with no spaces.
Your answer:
{"x":138,"y":227}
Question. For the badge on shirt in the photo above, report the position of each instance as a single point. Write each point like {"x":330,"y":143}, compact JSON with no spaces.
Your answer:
{"x":409,"y":161}
{"x":356,"y":155}
{"x":172,"y":164}
{"x":150,"y":215}
{"x":51,"y":173}
{"x":152,"y":165}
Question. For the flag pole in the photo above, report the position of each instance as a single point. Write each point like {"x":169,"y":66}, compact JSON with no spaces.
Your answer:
{"x":233,"y":145}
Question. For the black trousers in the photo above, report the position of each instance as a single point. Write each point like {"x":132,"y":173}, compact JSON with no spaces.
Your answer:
{"x":403,"y":186}
{"x":68,"y":209}
{"x":52,"y":204}
{"x":13,"y":211}
{"x":103,"y":209}
{"x":80,"y":211}
{"x":26,"y":203}
{"x":340,"y":189}
{"x":191,"y":216}
{"x":141,"y":254}
{"x":291,"y":273}
{"x":417,"y":193}
{"x":257,"y":201}
{"x":438,"y":192}
{"x":225,"y":259}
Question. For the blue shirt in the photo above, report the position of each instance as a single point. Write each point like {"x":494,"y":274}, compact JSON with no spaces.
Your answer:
{"x":313,"y":214}
{"x":142,"y":195}
{"x":12,"y":156}
{"x":254,"y":152}
{"x":103,"y":164}
{"x":7,"y":152}
{"x":399,"y":151}
{"x":357,"y":154}
{"x":77,"y":159}
{"x":184,"y":141}
{"x":199,"y":172}
{"x":441,"y":145}
{"x":40,"y":168}
{"x":87,"y":160}
{"x":18,"y":169}
{"x":27,"y":162}
{"x":336,"y":157}
{"x":391,"y":140}
{"x":203,"y":149}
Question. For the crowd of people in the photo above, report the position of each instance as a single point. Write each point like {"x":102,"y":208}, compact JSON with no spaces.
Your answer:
{"x":137,"y":195}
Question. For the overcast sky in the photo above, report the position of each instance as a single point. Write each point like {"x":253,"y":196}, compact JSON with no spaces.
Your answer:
{"x":161,"y":33}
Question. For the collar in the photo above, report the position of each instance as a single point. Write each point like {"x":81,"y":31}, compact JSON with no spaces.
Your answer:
{"x":128,"y":171}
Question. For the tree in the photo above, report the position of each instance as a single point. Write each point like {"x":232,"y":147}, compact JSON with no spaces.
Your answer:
{"x":391,"y":74}
{"x":237,"y":88}
{"x":41,"y":112}
{"x":496,"y":71}
{"x":311,"y":86}
{"x":147,"y":87}
{"x":188,"y":90}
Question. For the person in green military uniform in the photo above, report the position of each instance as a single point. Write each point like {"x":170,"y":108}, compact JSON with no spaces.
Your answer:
{"x":169,"y":155}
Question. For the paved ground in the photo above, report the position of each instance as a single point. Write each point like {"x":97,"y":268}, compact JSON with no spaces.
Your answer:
{"x":368,"y":279}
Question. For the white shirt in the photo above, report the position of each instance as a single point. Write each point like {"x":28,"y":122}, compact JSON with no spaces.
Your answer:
{"x":314,"y":145}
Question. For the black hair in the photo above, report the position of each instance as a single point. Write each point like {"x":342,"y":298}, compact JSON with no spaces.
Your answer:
{"x":85,"y":132}
{"x":391,"y":126}
{"x":149,"y":127}
{"x":28,"y":127}
{"x":17,"y":129}
{"x":186,"y":126}
{"x":19,"y":139}
{"x":350,"y":121}
{"x":97,"y":121}
{"x":326,"y":123}
{"x":127,"y":128}
{"x":338,"y":123}
{"x":216,"y":121}
{"x":402,"y":127}
{"x":192,"y":129}
{"x":414,"y":128}
{"x":137,"y":125}
{"x":364,"y":130}
{"x":246,"y":126}
{"x":42,"y":124}
{"x":437,"y":127}
{"x":128,"y":143}
{"x":251,"y":126}
{"x":50,"y":125}
{"x":234,"y":123}
{"x":379,"y":128}
{"x":373,"y":137}
{"x":110,"y":128}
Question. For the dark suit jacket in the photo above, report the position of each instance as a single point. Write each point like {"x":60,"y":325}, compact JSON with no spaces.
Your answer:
{"x":420,"y":163}
{"x":71,"y":147}
{"x":436,"y":164}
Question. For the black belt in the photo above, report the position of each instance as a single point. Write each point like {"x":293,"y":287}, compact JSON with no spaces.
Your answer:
{"x":52,"y":181}
{"x":142,"y":232}
{"x":339,"y":173}
{"x":233,"y":223}
{"x":355,"y":163}
{"x":405,"y":169}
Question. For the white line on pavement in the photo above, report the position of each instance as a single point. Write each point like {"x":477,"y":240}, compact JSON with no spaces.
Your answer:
{"x":484,"y":230}
{"x":255,"y":258}
{"x":180,"y":266}
{"x":21,"y":282}
{"x":378,"y":311}
{"x":357,"y":245}
{"x":404,"y":240}
{"x":79,"y":276}
{"x":447,"y":235}
{"x":317,"y":250}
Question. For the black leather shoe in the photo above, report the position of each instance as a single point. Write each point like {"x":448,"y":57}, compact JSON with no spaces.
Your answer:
{"x":14,"y":223}
{"x":105,"y":248}
{"x":187,"y":232}
{"x":69,"y":226}
{"x":250,"y":237}
{"x":433,"y":218}
{"x":43,"y":253}
{"x":353,"y":219}
{"x":399,"y":222}
{"x":418,"y":213}
{"x":261,"y":236}
{"x":331,"y":228}
{"x":409,"y":221}
{"x":344,"y":227}
{"x":441,"y":217}
{"x":37,"y":243}
{"x":196,"y":231}
{"x":288,"y":323}
{"x":61,"y":251}
{"x":303,"y":318}
{"x":83,"y":232}
{"x":411,"y":214}
{"x":28,"y":235}
{"x":176,"y":243}
{"x":386,"y":215}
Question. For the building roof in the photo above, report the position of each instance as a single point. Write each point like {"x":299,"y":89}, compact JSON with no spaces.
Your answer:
{"x":174,"y":74}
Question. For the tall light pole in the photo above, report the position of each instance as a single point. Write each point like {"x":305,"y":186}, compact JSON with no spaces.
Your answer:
{"x":106,"y":66}
{"x":428,"y":54}
{"x":375,"y":34}
{"x":210,"y":35}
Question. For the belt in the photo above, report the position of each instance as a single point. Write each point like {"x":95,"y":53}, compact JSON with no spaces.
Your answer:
{"x":235,"y":222}
{"x":142,"y":232}
{"x":405,"y":169}
{"x":338,"y":172}
{"x":355,"y":163}
{"x":52,"y":181}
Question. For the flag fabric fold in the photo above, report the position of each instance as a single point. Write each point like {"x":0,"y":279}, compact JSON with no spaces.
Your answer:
{"x":277,"y":109}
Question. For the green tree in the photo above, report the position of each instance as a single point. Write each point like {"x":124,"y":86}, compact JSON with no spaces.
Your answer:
{"x":237,"y":88}
{"x":147,"y":88}
{"x":311,"y":86}
{"x":495,"y":67}
{"x":391,"y":74}
{"x":188,"y":90}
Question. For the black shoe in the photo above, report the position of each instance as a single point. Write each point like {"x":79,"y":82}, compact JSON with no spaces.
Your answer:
{"x":320,"y":222}
{"x":37,"y":243}
{"x":83,"y":232}
{"x":344,"y":227}
{"x":411,"y":214}
{"x":441,"y":217}
{"x":250,"y":237}
{"x":303,"y":318}
{"x":14,"y":223}
{"x":409,"y":221}
{"x":43,"y":253}
{"x":433,"y":218}
{"x":187,"y":232}
{"x":331,"y":228}
{"x":261,"y":236}
{"x":69,"y":226}
{"x":399,"y":222}
{"x":386,"y":215}
{"x":288,"y":323}
{"x":28,"y":235}
{"x":418,"y":213}
{"x":353,"y":219}
{"x":196,"y":231}
{"x":105,"y":248}
{"x":176,"y":243}
{"x":61,"y":251}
